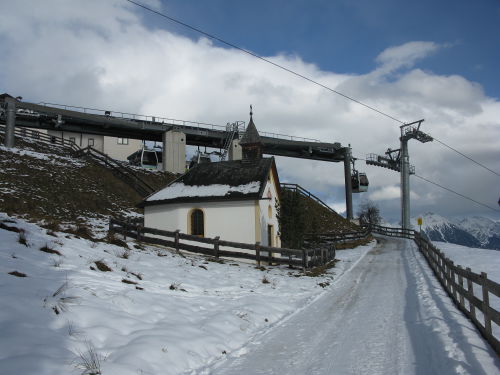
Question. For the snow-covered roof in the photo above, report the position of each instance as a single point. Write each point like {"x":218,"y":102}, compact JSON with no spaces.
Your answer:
{"x":228,"y":180}
{"x":179,"y":189}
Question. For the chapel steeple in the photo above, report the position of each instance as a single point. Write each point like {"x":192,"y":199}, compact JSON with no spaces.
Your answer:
{"x":251,"y":144}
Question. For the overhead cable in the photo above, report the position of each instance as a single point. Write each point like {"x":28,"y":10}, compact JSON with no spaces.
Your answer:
{"x":211,"y":36}
{"x":264,"y":59}
{"x":467,"y":157}
{"x":454,"y":192}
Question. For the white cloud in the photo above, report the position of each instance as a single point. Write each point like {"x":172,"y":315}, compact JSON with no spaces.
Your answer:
{"x":405,"y":55}
{"x":101,"y":54}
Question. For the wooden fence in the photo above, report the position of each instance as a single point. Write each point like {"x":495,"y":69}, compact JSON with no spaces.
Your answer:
{"x":299,"y":189}
{"x":458,"y":282}
{"x":305,"y":258}
{"x":120,"y":170}
{"x":43,"y":138}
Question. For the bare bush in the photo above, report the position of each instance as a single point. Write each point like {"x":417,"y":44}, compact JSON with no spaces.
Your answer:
{"x":59,"y":301}
{"x":89,"y":360}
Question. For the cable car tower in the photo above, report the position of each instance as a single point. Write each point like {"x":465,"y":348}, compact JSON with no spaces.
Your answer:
{"x":399,"y":161}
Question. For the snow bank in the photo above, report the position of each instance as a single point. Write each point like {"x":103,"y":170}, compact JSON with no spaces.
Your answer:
{"x":178,"y":189}
{"x":479,"y":260}
{"x":171,"y":315}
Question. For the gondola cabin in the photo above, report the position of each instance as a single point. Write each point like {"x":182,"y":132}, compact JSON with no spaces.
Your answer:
{"x":359,"y":182}
{"x":147,"y":158}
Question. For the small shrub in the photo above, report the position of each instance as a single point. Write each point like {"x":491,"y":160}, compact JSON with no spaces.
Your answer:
{"x":324,"y":284}
{"x":201,"y":266}
{"x":17,"y":273}
{"x":265,"y":280}
{"x":22,"y":238}
{"x":58,"y":301}
{"x":73,"y":331}
{"x":89,"y":360}
{"x":138,"y":288}
{"x":49,"y":250}
{"x":101,"y":266}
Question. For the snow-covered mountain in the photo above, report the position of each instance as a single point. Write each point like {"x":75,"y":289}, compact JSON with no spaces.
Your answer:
{"x":474,"y":231}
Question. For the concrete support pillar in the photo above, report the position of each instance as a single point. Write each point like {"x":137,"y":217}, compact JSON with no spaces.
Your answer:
{"x":174,"y":152}
{"x":348,"y":183}
{"x":10,"y":123}
{"x":405,"y":185}
{"x":235,"y":152}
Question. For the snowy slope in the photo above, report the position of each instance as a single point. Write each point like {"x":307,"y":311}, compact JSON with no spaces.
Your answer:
{"x":154,"y":313}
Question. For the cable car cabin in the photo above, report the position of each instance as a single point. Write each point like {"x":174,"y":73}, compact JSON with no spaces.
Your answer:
{"x":147,"y":158}
{"x":359,"y":182}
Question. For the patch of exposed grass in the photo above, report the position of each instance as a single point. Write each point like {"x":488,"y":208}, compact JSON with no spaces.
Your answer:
{"x":265,"y":280}
{"x":114,"y":240}
{"x":8,"y":227}
{"x":126,"y":281}
{"x":17,"y":273}
{"x":321,"y":270}
{"x":49,"y":250}
{"x":101,"y":266}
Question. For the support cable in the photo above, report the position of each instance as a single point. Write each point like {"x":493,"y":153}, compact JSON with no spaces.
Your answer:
{"x":264,"y":59}
{"x":454,"y":192}
{"x":467,"y":157}
{"x":211,"y":36}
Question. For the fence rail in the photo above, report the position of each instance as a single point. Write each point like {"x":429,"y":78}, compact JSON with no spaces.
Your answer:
{"x":43,"y":138}
{"x":119,"y":170}
{"x":305,"y":258}
{"x":305,"y":193}
{"x":458,"y":283}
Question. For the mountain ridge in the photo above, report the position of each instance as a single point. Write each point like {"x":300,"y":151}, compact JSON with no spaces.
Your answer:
{"x":474,"y":231}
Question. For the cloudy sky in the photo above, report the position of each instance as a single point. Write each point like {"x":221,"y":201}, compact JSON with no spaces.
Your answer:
{"x":410,"y":59}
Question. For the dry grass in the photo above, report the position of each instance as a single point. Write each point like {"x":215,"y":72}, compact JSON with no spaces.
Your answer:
{"x":89,"y":360}
{"x":17,"y":273}
{"x":101,"y":266}
{"x":49,"y":250}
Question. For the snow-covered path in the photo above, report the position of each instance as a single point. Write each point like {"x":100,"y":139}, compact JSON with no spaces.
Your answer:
{"x":387,"y":315}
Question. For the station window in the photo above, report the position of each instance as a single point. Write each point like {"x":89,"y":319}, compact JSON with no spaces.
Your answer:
{"x":122,"y":141}
{"x":91,"y":141}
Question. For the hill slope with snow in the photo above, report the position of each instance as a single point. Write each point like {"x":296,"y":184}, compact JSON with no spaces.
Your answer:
{"x":152,"y":312}
{"x":476,"y":232}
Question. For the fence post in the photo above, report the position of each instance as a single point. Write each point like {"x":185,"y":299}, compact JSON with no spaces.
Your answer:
{"x":486,"y":303}
{"x":470,"y":289}
{"x":461,"y":282}
{"x":216,"y":247}
{"x":452,"y":281}
{"x":257,"y":252}
{"x":138,"y":231}
{"x":111,"y":228}
{"x":176,"y":240}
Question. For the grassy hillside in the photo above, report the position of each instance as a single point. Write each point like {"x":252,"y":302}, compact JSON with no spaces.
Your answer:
{"x":44,"y":184}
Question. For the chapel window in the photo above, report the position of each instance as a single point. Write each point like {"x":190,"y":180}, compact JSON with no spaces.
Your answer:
{"x":197,"y":223}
